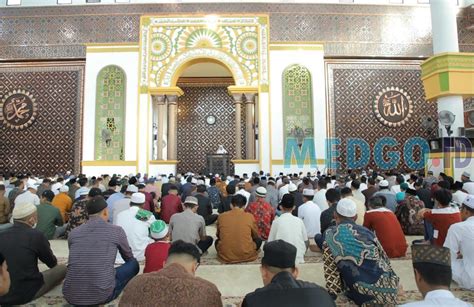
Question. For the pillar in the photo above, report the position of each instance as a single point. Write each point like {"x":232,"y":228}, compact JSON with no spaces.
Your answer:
{"x":238,"y":133}
{"x":250,"y":126}
{"x":445,"y":39}
{"x":159,"y":104}
{"x":172,"y":126}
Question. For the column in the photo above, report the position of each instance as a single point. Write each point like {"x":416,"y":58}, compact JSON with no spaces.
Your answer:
{"x":238,"y":133}
{"x":445,"y":39}
{"x":159,"y":105}
{"x":250,"y":126}
{"x":172,"y":126}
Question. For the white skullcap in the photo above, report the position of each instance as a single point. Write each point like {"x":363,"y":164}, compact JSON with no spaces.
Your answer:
{"x":23,"y":210}
{"x":138,"y":198}
{"x":132,"y":188}
{"x":308,"y":192}
{"x":32,"y":186}
{"x":383,"y":184}
{"x":346,"y":207}
{"x":469,"y":201}
{"x":64,"y":189}
{"x":292,"y":187}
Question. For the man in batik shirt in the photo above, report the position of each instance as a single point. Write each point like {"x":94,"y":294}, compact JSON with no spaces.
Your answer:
{"x":263,"y":213}
{"x":79,"y":215}
{"x":355,"y":262}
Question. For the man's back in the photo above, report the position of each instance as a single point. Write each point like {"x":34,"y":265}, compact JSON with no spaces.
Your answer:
{"x":425,"y":196}
{"x":204,"y":205}
{"x":284,"y":290}
{"x":22,"y":246}
{"x":235,"y":230}
{"x":320,"y":199}
{"x":63,"y":202}
{"x":170,"y":204}
{"x":292,"y":230}
{"x":390,"y":197}
{"x":193,"y":291}
{"x":187,"y":226}
{"x":119,"y":206}
{"x":310,"y":213}
{"x":90,"y":276}
{"x":48,"y":218}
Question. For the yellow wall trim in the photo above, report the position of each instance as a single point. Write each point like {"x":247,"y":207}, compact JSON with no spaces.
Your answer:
{"x":109,"y":163}
{"x":245,"y":161}
{"x":163,"y":162}
{"x":291,"y":47}
{"x":110,"y":44}
{"x":242,"y":89}
{"x":172,"y":90}
{"x":106,"y":49}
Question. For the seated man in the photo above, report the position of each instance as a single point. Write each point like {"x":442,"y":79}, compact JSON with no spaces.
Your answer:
{"x":432,"y":268}
{"x":460,"y":240}
{"x":91,"y":278}
{"x":355,"y":262}
{"x":50,"y":221}
{"x":170,"y":204}
{"x":79,"y":215}
{"x":136,"y":221}
{"x":386,"y":227}
{"x":157,"y":288}
{"x":407,"y":213}
{"x":263,"y":213}
{"x":289,"y":228}
{"x":63,"y":202}
{"x":4,"y":276}
{"x":310,"y":213}
{"x":237,"y":234}
{"x":327,"y":216}
{"x":121,"y":204}
{"x":442,"y":216}
{"x":204,"y":205}
{"x":157,"y":252}
{"x":281,"y":287}
{"x":190,"y":226}
{"x":22,"y":246}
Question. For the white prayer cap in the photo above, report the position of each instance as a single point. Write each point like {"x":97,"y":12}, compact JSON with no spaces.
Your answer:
{"x":308,"y":192}
{"x":261,"y":191}
{"x":469,"y":201}
{"x":194,"y":181}
{"x":132,"y":188}
{"x":23,"y":210}
{"x":64,"y":189}
{"x":346,"y":207}
{"x":84,"y":191}
{"x":379,"y":178}
{"x":292,"y":187}
{"x":466,"y":174}
{"x":383,"y":184}
{"x":138,"y":198}
{"x":200,"y":182}
{"x":32,"y":186}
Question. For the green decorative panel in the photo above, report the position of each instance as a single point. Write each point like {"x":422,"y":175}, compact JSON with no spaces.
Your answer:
{"x":110,"y":114}
{"x":298,"y":116}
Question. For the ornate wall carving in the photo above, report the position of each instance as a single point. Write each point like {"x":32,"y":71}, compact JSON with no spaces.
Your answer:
{"x":346,"y":30}
{"x":352,"y":89}
{"x":196,"y":137}
{"x":298,"y":113}
{"x":110,"y":113}
{"x":52,"y":143}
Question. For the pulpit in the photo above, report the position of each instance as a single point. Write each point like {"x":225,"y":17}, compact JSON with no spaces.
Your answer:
{"x":218,"y":164}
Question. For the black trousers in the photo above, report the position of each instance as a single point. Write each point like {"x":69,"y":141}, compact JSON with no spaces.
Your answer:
{"x":211,"y":219}
{"x":205,"y":244}
{"x":257,"y":241}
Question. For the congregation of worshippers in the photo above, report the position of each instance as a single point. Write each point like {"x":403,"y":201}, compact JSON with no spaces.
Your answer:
{"x":358,"y":221}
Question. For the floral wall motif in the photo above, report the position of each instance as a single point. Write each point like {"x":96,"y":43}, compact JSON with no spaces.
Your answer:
{"x":298,"y":112}
{"x":168,"y":43}
{"x":110,"y":114}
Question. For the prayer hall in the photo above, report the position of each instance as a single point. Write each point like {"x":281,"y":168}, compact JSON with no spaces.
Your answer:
{"x":232,"y":153}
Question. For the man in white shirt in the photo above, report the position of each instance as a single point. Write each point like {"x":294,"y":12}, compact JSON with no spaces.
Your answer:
{"x":284,"y":188}
{"x":242,"y":191}
{"x":121,"y":204}
{"x":432,"y":268}
{"x":289,"y":228}
{"x":28,"y":197}
{"x":56,"y":186}
{"x":347,"y":193}
{"x":320,"y":196}
{"x":310,"y":213}
{"x":136,"y":221}
{"x":396,"y":188}
{"x":356,"y":192}
{"x":460,"y":240}
{"x":468,"y":185}
{"x":458,"y":195}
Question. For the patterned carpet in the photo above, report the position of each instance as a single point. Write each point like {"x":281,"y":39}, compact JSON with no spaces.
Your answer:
{"x":231,"y":301}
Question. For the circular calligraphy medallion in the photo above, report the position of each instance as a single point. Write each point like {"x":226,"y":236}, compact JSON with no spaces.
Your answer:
{"x":393,"y":107}
{"x":18,"y":110}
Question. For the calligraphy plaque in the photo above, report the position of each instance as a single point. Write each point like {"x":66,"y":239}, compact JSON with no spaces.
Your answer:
{"x":18,"y":109}
{"x":393,"y":107}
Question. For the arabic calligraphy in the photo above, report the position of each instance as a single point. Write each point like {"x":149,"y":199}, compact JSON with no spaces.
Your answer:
{"x":18,"y":110}
{"x":393,"y":107}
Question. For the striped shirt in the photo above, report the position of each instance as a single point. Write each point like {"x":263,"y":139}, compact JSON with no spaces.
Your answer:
{"x":90,"y":277}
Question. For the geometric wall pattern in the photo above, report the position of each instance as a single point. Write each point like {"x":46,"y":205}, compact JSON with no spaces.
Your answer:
{"x":52,"y":144}
{"x":110,"y":114}
{"x":196,"y":137}
{"x":298,"y":110}
{"x":347,"y":30}
{"x":353,"y":87}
